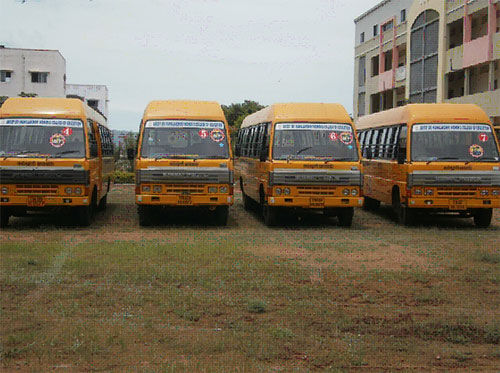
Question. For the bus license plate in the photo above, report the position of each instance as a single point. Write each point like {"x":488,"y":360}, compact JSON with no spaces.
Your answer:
{"x":317,"y":202}
{"x":36,"y":201}
{"x":457,"y":204}
{"x":185,"y":200}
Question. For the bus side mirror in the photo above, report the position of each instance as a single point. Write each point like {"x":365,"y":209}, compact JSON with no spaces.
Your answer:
{"x":368,"y":153}
{"x":237,"y":150}
{"x":401,"y":155}
{"x":130,"y":154}
{"x":263,"y":155}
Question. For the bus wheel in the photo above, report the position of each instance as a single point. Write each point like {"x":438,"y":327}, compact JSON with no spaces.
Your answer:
{"x":270,"y":215}
{"x":103,"y":203}
{"x":482,"y":218}
{"x":84,"y":215}
{"x":144,"y":215}
{"x":404,"y":215}
{"x":5,"y":215}
{"x":221,"y":215}
{"x":345,"y":216}
{"x":371,"y":204}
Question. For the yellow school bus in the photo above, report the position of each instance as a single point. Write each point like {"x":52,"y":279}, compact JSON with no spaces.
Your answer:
{"x":300,"y":156}
{"x":431,"y":158}
{"x":184,"y":159}
{"x":54,"y":153}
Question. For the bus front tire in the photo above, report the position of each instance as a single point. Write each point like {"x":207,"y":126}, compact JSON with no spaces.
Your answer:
{"x":84,"y":215}
{"x":371,"y":204}
{"x":144,"y":215}
{"x":103,"y":203}
{"x":345,"y":216}
{"x":482,"y":218}
{"x":270,"y":215}
{"x":404,"y":215}
{"x":5,"y":215}
{"x":221,"y":215}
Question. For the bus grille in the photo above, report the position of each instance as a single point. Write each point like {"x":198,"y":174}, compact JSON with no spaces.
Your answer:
{"x":36,"y":189}
{"x":456,"y":192}
{"x":316,"y":191}
{"x":185,"y":189}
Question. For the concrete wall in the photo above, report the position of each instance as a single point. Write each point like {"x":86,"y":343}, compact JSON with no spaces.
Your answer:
{"x":91,"y":92}
{"x":24,"y":61}
{"x":383,"y":12}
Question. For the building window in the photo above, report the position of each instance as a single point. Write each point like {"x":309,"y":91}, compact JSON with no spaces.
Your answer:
{"x":375,"y":66}
{"x":93,"y":103}
{"x":403,"y":15}
{"x":375,"y":30}
{"x":5,"y":76}
{"x":39,"y":77}
{"x":362,"y":37}
{"x":388,"y":26}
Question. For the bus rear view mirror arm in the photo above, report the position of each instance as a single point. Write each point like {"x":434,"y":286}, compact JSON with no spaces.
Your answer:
{"x":130,"y":154}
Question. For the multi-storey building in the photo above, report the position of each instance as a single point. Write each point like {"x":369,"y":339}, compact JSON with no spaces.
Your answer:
{"x":428,"y":51}
{"x":32,"y":71}
{"x":96,"y":96}
{"x":43,"y":72}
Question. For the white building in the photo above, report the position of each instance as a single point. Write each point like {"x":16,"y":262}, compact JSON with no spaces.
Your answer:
{"x":96,"y":96}
{"x":38,"y":71}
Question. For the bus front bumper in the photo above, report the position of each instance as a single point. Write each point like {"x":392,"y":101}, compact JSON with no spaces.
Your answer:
{"x":315,"y":202}
{"x":37,"y":201}
{"x":185,"y":200}
{"x":455,"y":204}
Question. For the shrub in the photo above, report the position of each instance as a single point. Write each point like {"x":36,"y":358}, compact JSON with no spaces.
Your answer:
{"x":122,"y":177}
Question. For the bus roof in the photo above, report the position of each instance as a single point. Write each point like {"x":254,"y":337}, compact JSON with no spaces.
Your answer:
{"x":183,"y":109}
{"x":424,"y":113}
{"x":299,"y":112}
{"x":45,"y":107}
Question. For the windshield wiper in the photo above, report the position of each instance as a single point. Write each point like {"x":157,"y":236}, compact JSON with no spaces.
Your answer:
{"x":298,"y":152}
{"x":214,"y":157}
{"x":22,"y":153}
{"x":60,"y":154}
{"x":443,"y":159}
{"x":176,"y":156}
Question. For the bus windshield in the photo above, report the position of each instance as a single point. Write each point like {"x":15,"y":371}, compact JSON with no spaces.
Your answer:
{"x":314,"y":141}
{"x":453,"y":142}
{"x":38,"y":137}
{"x":184,"y":139}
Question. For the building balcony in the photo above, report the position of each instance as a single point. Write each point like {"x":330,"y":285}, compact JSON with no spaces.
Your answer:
{"x":488,"y":101}
{"x":476,"y":51}
{"x":386,"y":81}
{"x":455,"y":59}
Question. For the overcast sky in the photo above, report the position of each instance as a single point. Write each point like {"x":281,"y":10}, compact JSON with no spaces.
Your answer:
{"x":224,"y":50}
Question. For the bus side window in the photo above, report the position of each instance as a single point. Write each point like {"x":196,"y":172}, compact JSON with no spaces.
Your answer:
{"x":361,"y":136}
{"x":367,"y":143}
{"x":92,"y":139}
{"x":381,"y":142}
{"x":237,"y":147}
{"x":393,"y":142}
{"x":373,"y":143}
{"x":401,"y":147}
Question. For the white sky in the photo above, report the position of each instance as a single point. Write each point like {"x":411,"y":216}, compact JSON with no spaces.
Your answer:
{"x":224,"y":50}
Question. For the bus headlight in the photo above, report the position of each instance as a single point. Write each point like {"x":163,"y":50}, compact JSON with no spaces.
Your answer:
{"x":485,"y":192}
{"x":78,"y":191}
{"x":417,"y":192}
{"x":354,"y":192}
{"x":157,"y":188}
{"x":223,"y":189}
{"x":5,"y":190}
{"x":146,"y":188}
{"x":496,"y":192}
{"x":429,"y":192}
{"x":278,"y":191}
{"x":286,"y":191}
{"x":212,"y":189}
{"x":68,"y":190}
{"x":345,"y":192}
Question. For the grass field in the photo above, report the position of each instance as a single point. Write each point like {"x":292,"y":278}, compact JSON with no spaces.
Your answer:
{"x":184,"y":296}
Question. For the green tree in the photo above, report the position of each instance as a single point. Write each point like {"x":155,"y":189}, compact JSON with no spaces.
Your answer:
{"x":3,"y":99}
{"x":24,"y":94}
{"x":235,"y":113}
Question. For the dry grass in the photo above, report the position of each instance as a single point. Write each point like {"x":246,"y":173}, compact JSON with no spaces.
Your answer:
{"x":182,"y":296}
